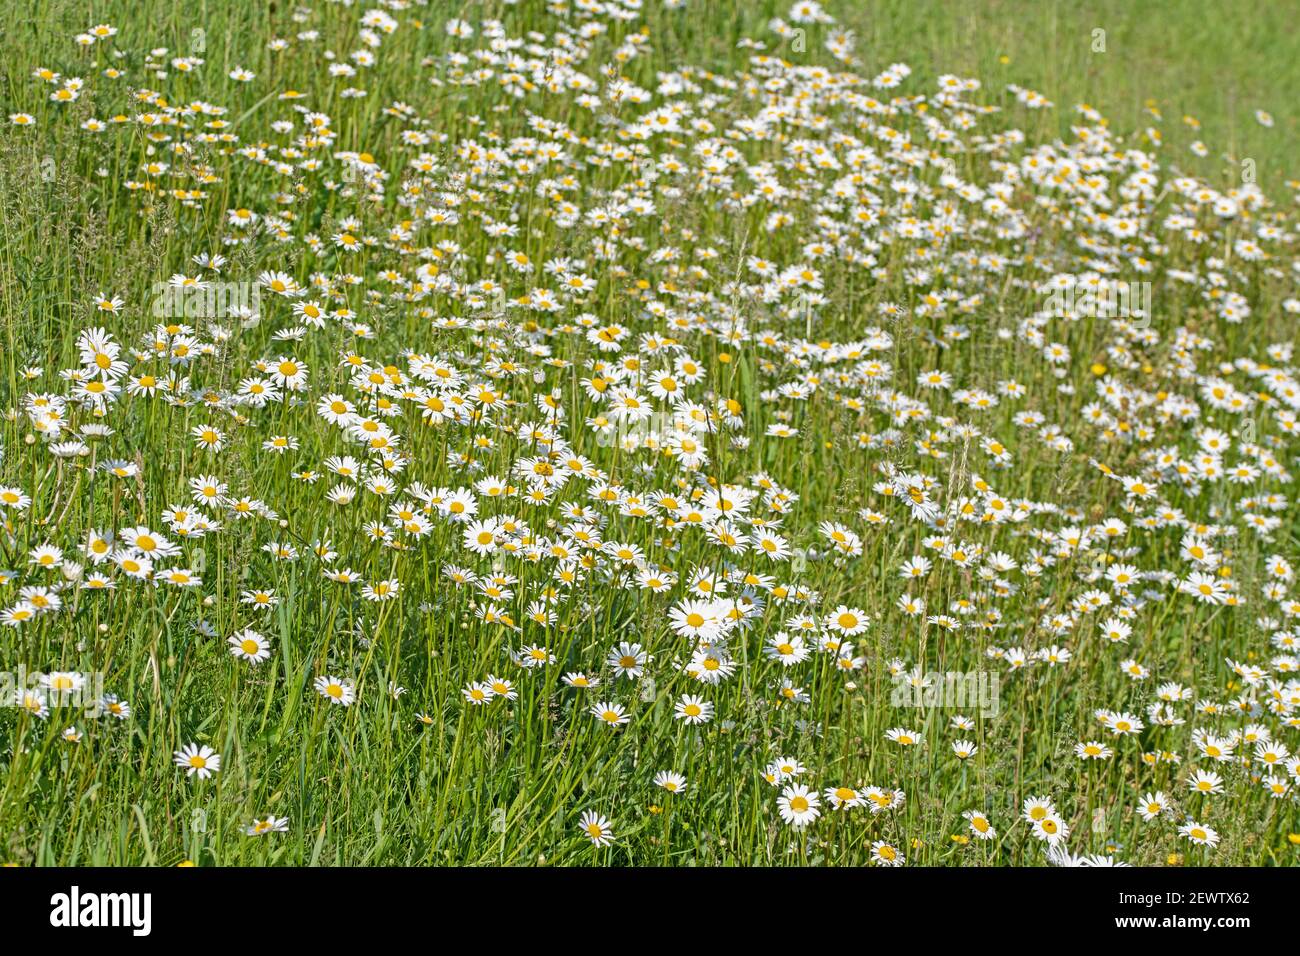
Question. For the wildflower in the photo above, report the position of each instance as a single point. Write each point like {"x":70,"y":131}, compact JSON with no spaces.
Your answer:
{"x":799,"y":806}
{"x":886,"y":854}
{"x":336,"y":690}
{"x":198,"y":759}
{"x":250,"y":646}
{"x":269,"y":824}
{"x":1199,"y":834}
{"x":611,"y":714}
{"x":670,"y":781}
{"x":979,"y":825}
{"x":596,"y":828}
{"x":693,"y":709}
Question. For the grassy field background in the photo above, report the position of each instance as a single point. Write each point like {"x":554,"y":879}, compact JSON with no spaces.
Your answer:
{"x":375,"y":783}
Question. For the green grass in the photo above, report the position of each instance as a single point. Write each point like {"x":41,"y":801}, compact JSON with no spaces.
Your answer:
{"x":507,"y":783}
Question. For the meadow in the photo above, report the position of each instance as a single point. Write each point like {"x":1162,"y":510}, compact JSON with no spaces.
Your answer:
{"x":649,"y":432}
